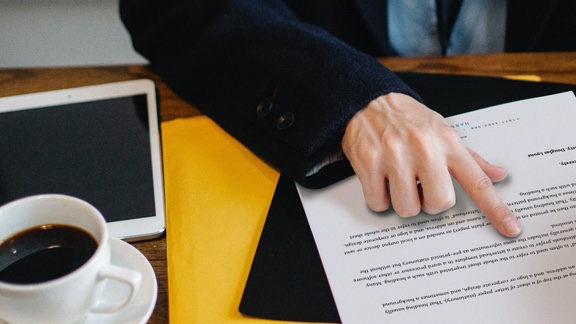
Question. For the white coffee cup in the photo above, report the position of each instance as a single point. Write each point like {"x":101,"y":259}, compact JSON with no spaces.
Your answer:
{"x":69,"y":298}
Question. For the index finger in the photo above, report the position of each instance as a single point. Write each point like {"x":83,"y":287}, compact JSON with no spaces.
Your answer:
{"x":480,"y":189}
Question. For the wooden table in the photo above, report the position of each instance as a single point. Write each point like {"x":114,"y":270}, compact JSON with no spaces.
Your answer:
{"x":552,"y":67}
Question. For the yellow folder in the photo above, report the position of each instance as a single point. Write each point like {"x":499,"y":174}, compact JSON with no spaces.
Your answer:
{"x":217,"y":197}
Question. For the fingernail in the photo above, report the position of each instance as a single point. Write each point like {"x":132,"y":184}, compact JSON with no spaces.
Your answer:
{"x":512,"y":226}
{"x":501,"y":169}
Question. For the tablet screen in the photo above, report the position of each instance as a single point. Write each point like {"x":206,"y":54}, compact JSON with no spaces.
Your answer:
{"x":98,"y":151}
{"x":98,"y":143}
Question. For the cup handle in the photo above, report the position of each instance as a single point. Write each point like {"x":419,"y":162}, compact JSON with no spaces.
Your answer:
{"x":126,"y":276}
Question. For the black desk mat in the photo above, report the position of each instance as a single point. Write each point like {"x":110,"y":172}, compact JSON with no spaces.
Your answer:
{"x":287,"y":280}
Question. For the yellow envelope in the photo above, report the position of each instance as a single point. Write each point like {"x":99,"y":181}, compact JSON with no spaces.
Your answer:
{"x":217,"y":197}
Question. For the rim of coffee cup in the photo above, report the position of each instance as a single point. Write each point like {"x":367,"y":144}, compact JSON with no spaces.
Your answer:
{"x":17,"y":287}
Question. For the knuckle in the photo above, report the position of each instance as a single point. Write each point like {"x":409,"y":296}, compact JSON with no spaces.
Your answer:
{"x":482,"y":184}
{"x":378,"y":207}
{"x":377,"y":203}
{"x":376,"y":199}
{"x":500,"y":210}
{"x":393,"y":148}
{"x":367,"y":160}
{"x":449,"y":133}
{"x":407,"y":212}
{"x":438,"y":206}
{"x":451,"y":138}
{"x":368,"y":155}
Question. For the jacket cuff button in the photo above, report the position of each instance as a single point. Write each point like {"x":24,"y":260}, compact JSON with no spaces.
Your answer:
{"x":264,"y":108}
{"x":285,"y":121}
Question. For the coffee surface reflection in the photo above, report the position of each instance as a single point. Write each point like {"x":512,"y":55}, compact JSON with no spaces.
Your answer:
{"x":44,"y":253}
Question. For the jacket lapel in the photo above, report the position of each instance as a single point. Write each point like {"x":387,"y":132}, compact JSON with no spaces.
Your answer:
{"x":375,"y":14}
{"x":525,"y":22}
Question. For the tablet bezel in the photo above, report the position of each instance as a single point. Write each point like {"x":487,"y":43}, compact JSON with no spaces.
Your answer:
{"x":140,"y":228}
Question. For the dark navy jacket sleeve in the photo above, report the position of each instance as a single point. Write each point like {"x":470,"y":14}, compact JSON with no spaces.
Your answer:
{"x":284,"y":87}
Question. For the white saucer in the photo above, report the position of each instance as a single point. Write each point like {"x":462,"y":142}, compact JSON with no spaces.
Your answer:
{"x":140,"y":309}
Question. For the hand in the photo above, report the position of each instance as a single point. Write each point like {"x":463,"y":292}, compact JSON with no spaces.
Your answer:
{"x":398,"y":141}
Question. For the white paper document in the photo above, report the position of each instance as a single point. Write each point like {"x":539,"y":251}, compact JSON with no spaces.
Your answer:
{"x":454,"y":267}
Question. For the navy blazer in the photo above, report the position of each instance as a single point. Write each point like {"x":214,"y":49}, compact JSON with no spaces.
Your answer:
{"x":284,"y":77}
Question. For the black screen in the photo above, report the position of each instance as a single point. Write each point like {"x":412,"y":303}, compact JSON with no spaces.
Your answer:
{"x":98,"y":151}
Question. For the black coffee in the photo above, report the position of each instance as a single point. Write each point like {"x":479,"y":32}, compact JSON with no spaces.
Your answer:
{"x":44,"y":253}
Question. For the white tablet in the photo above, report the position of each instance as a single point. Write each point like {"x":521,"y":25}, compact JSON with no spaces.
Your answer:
{"x":98,"y":143}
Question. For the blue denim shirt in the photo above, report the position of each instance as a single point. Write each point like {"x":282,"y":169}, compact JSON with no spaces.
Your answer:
{"x":479,"y":28}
